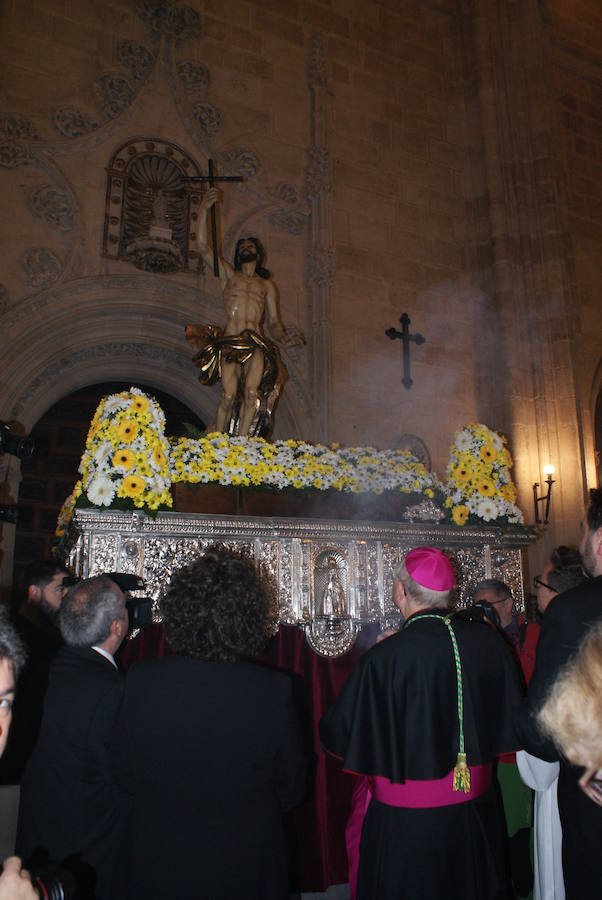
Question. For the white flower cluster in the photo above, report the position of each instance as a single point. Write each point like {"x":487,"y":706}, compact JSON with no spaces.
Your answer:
{"x":126,"y":453}
{"x":479,"y":482}
{"x":297,"y":464}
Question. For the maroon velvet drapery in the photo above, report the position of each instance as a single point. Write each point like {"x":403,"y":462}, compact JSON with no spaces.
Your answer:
{"x":320,"y":821}
{"x":319,"y":855}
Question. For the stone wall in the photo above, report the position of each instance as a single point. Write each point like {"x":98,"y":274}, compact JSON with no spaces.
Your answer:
{"x":441,"y":158}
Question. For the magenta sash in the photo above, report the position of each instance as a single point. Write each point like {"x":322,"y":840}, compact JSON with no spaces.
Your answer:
{"x":429,"y":794}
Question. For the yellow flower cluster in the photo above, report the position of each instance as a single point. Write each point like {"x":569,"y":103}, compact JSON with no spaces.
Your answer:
{"x":221,"y":459}
{"x":479,"y":482}
{"x":67,"y":510}
{"x":126,"y":461}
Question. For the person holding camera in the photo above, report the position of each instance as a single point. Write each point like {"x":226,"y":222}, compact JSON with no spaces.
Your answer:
{"x":70,"y":806}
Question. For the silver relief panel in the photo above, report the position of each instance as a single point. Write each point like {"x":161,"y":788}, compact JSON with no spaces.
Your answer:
{"x":329,"y":578}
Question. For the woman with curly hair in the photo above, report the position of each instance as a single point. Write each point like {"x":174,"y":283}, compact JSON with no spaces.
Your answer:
{"x":208,"y":744}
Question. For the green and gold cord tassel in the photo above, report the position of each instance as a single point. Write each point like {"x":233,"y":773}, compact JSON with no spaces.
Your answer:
{"x":461,"y":771}
{"x":461,"y":775}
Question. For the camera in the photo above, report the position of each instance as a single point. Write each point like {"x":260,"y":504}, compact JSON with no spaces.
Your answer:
{"x":71,"y":879}
{"x":480,"y":612}
{"x":140,"y":609}
{"x":11,"y":443}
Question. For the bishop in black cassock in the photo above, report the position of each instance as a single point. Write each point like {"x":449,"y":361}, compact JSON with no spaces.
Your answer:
{"x":423,"y":715}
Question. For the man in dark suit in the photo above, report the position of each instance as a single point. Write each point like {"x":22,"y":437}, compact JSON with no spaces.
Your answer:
{"x":568,"y":619}
{"x":70,"y":806}
{"x":36,"y":620}
{"x":209,"y":745}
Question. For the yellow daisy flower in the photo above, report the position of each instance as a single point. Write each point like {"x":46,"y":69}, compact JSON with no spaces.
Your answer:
{"x":133,"y":485}
{"x":486,"y":487}
{"x":159,"y":456}
{"x":488,"y":453}
{"x":460,"y":514}
{"x":124,"y":458}
{"x":462,"y":473}
{"x":139,"y":404}
{"x":127,"y":431}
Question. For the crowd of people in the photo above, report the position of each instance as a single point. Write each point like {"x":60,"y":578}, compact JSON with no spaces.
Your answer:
{"x":172,"y":781}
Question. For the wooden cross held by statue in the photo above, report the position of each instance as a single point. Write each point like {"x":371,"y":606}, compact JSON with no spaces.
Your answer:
{"x":211,"y":178}
{"x":406,"y":337}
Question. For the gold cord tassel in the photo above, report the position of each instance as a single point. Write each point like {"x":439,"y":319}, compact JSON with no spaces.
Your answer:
{"x":461,"y":775}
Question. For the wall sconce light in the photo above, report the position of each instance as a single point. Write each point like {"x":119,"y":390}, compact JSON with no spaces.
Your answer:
{"x":545,"y":498}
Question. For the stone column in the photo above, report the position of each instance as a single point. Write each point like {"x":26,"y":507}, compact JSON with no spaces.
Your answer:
{"x":533,"y":392}
{"x":319,"y":267}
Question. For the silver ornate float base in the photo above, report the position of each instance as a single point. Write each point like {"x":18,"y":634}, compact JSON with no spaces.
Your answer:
{"x":329,"y":577}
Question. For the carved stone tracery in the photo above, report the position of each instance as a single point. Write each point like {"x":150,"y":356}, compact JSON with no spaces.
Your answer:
{"x":143,"y":175}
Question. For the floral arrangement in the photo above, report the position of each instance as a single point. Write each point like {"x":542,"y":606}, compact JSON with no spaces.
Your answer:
{"x":479,"y":486}
{"x":221,"y":459}
{"x":125,"y":463}
{"x":128,"y":463}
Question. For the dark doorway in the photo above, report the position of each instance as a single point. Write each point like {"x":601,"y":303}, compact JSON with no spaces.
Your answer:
{"x":51,"y":473}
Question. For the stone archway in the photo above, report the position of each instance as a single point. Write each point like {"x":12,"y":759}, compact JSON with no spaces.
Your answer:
{"x":116,"y":327}
{"x":108,"y":328}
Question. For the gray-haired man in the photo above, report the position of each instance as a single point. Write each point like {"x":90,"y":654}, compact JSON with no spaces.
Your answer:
{"x":69,"y":804}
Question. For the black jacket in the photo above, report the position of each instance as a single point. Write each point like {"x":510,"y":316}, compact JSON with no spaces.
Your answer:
{"x":211,"y":754}
{"x":69,"y":802}
{"x":567,"y":620}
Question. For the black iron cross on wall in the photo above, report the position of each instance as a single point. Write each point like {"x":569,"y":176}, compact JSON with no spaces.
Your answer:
{"x":211,"y":178}
{"x":405,"y":337}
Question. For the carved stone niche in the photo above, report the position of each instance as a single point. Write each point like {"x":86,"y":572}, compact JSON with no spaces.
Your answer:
{"x":151,"y":213}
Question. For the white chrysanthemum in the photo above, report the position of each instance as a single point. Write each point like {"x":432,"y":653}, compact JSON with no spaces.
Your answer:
{"x":157,"y":484}
{"x":464,"y":441}
{"x":101,"y":491}
{"x":487,"y":510}
{"x":114,"y":403}
{"x":515,"y":515}
{"x":496,"y":441}
{"x":103,"y":453}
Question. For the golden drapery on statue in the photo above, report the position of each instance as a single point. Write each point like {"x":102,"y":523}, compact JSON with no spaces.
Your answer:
{"x":214,"y":347}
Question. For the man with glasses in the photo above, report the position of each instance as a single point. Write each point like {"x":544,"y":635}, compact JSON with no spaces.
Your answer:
{"x":569,"y":618}
{"x":563,"y":572}
{"x":520,"y":633}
